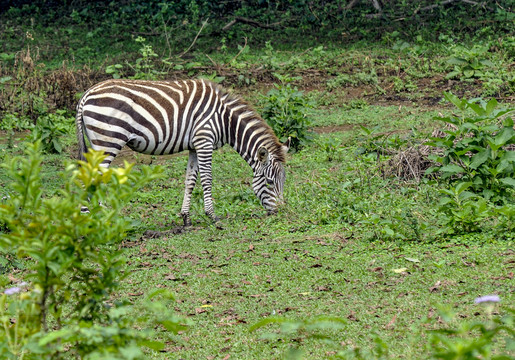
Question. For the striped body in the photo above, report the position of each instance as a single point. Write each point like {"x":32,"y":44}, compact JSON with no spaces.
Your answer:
{"x":161,"y":117}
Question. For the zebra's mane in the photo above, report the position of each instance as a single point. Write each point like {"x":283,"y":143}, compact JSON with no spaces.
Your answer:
{"x":273,"y":145}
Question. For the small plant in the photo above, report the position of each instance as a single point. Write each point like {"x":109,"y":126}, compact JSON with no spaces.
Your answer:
{"x":470,"y":63}
{"x":144,"y":66}
{"x":462,"y":210}
{"x":401,"y":85}
{"x":353,"y":80}
{"x":331,"y":146}
{"x":356,"y":104}
{"x":311,"y":328}
{"x":50,"y":129}
{"x":115,"y":70}
{"x":473,"y":340}
{"x":284,"y":108}
{"x":377,"y":143}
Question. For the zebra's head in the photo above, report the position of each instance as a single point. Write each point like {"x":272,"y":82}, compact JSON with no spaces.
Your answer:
{"x":269,"y":177}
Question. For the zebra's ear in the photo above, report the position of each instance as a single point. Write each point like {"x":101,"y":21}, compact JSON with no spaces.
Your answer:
{"x":262,"y":155}
{"x":286,"y":145}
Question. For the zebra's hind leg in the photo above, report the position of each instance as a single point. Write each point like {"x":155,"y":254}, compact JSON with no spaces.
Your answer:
{"x":191,"y":179}
{"x":105,"y":164}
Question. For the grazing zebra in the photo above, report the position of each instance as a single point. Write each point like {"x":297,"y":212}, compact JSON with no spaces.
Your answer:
{"x":164,"y":117}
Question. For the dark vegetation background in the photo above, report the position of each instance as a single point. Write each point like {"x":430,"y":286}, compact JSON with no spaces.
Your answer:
{"x":86,"y":37}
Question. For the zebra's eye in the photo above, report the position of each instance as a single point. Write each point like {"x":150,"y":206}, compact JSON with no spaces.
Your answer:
{"x":269,"y":181}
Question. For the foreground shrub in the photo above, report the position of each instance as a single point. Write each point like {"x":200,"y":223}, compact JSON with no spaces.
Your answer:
{"x":65,"y":307}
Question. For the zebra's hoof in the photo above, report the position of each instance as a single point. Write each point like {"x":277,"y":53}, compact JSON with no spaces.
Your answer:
{"x":186,"y":219}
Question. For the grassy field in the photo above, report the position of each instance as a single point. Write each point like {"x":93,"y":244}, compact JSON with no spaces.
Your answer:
{"x":326,"y":253}
{"x":360,"y":240}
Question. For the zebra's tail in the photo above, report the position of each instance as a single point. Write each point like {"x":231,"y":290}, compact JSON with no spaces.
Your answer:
{"x":79,"y":121}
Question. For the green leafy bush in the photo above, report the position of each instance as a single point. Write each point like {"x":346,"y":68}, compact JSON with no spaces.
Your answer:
{"x":353,"y":80}
{"x":50,"y":129}
{"x":13,"y":121}
{"x":474,"y":148}
{"x":66,"y":308}
{"x":285,"y":109}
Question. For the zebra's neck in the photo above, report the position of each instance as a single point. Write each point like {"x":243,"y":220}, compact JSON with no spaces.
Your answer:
{"x":248,"y":132}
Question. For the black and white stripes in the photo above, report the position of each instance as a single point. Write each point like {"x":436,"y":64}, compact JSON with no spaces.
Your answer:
{"x":161,"y":117}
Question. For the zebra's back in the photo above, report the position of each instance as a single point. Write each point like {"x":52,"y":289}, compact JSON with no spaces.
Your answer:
{"x":151,"y":117}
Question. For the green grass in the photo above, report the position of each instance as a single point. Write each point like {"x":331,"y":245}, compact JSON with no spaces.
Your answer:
{"x":317,"y":256}
{"x":227,"y":280}
{"x":325,"y":253}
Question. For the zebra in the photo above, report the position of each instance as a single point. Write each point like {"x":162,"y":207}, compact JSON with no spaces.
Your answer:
{"x":167,"y":117}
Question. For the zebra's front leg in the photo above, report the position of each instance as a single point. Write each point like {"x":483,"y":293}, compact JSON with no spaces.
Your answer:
{"x":191,"y":179}
{"x":204,"y":158}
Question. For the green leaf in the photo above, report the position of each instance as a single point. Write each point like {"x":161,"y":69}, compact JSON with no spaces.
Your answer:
{"x":452,"y":74}
{"x":468,"y":73}
{"x":55,"y":267}
{"x":267,"y":321}
{"x":454,"y":100}
{"x":462,"y":186}
{"x":477,"y":109}
{"x":487,"y":62}
{"x":452,"y":169}
{"x":465,"y":195}
{"x":505,"y":136}
{"x":508,"y":122}
{"x":154,"y":345}
{"x":479,"y":158}
{"x":445,"y":201}
{"x":54,"y":335}
{"x":389,"y":231}
{"x":490,"y":106}
{"x":508,"y":181}
{"x":457,"y":61}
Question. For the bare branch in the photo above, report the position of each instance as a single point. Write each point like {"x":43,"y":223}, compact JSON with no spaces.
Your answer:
{"x":377,"y":6}
{"x":239,"y":53}
{"x":194,"y":40}
{"x":351,"y":4}
{"x":254,"y":23}
{"x":229,"y":24}
{"x":430,"y":7}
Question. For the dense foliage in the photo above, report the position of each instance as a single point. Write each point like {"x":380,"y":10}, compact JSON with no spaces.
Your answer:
{"x":342,"y":17}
